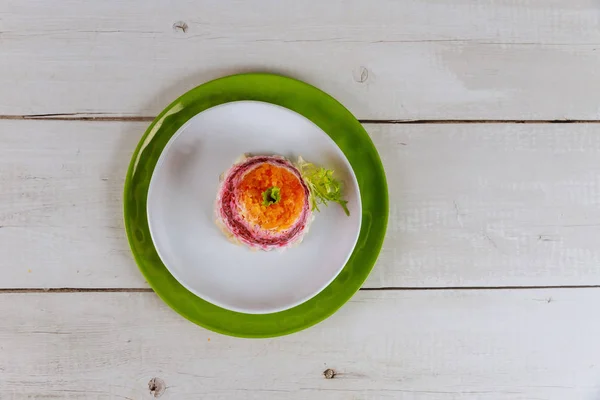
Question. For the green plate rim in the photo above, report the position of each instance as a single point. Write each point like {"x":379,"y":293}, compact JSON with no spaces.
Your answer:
{"x":329,"y":115}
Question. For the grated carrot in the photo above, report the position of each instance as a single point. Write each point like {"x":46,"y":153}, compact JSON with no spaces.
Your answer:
{"x":279,"y":216}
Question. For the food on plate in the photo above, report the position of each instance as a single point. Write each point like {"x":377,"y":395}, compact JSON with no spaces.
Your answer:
{"x":267,"y":202}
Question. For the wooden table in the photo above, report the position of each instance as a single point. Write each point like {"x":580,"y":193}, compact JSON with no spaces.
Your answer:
{"x":488,"y":286}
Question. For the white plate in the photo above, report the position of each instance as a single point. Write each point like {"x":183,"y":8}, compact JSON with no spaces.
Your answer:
{"x":181,"y":204}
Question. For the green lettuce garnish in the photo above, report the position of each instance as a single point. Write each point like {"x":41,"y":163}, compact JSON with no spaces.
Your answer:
{"x":322,"y":185}
{"x":271,"y":196}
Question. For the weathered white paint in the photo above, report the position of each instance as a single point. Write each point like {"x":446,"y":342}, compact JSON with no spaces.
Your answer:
{"x":491,"y":205}
{"x":471,"y":205}
{"x":415,"y":59}
{"x":407,"y":345}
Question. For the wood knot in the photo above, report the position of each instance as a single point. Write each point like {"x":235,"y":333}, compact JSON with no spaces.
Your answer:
{"x":329,"y":373}
{"x":361,"y":75}
{"x":157,"y":387}
{"x":180,"y":26}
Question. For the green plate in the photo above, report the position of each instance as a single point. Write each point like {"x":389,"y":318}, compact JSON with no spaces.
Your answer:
{"x":330,"y":116}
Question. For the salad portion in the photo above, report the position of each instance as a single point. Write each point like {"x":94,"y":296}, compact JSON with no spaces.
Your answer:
{"x":267,"y":202}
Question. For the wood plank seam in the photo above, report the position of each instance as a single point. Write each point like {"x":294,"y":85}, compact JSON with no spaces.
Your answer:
{"x":143,"y":118}
{"x":390,"y":288}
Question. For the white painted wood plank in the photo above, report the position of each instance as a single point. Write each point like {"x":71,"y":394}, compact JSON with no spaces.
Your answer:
{"x":61,"y":190}
{"x":487,"y":205}
{"x":471,"y":205}
{"x":414,"y":59}
{"x":415,"y":345}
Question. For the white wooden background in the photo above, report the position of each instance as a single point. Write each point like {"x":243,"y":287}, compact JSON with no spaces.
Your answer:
{"x":488,"y":284}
